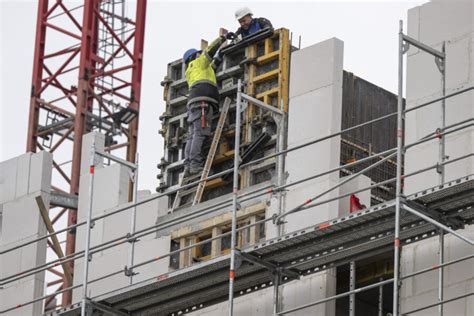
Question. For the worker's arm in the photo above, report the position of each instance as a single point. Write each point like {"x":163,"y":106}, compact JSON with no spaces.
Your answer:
{"x":264,"y":23}
{"x":211,"y":50}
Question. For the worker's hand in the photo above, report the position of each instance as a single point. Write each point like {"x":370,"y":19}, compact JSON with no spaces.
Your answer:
{"x":230,"y":35}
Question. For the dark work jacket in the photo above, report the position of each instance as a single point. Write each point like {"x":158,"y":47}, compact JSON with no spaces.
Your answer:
{"x":256,"y":25}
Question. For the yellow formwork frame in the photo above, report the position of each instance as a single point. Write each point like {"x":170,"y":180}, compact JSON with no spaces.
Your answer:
{"x":282,"y":54}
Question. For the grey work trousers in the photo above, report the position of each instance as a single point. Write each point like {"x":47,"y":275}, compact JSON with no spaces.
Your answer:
{"x":197,"y":134}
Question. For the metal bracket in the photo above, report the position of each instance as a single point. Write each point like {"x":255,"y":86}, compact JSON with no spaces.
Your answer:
{"x":440,"y":63}
{"x":129,"y":272}
{"x":131,"y":239}
{"x":89,"y":257}
{"x":276,"y":221}
{"x":405,"y":47}
{"x":243,"y":105}
{"x":439,"y":168}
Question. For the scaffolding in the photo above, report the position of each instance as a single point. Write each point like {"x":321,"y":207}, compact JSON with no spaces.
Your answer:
{"x":443,"y":208}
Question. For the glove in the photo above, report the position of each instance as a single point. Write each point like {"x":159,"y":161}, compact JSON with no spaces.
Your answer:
{"x":230,"y":35}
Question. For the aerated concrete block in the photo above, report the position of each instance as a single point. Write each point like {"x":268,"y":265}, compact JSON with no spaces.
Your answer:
{"x":40,"y":173}
{"x":433,"y":23}
{"x":149,"y":249}
{"x":23,"y":174}
{"x":8,"y":170}
{"x":21,"y":221}
{"x":309,"y":289}
{"x":315,"y":111}
{"x":316,"y":66}
{"x":86,"y":151}
{"x":147,"y":213}
{"x":19,"y":294}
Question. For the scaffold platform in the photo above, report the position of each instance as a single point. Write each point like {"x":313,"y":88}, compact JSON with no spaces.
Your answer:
{"x":326,"y":245}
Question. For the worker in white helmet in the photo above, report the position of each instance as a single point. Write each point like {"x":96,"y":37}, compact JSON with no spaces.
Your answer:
{"x":248,"y":24}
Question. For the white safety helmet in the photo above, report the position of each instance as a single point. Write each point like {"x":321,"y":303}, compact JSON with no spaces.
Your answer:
{"x":240,"y":13}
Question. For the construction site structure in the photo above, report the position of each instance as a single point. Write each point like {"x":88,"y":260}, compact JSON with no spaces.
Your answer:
{"x":87,"y":72}
{"x":385,"y":229}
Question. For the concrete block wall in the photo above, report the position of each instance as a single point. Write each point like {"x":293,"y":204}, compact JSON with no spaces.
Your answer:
{"x":110,"y":192}
{"x":433,"y":23}
{"x":21,"y":180}
{"x":314,"y":111}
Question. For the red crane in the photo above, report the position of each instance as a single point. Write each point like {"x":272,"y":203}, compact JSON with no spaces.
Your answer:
{"x":87,"y":72}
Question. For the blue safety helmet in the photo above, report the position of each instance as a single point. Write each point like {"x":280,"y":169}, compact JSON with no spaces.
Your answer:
{"x":188,"y":54}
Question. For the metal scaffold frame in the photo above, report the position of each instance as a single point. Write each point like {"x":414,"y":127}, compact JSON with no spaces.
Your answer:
{"x":285,"y":269}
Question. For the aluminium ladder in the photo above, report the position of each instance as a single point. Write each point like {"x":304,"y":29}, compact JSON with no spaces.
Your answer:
{"x":199,"y":190}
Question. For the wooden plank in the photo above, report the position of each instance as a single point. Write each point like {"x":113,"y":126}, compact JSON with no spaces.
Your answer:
{"x":266,"y":76}
{"x":57,"y":247}
{"x":268,"y":57}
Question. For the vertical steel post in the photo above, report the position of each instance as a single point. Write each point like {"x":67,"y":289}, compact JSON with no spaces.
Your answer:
{"x":442,"y":142}
{"x":441,"y":273}
{"x":381,"y":298}
{"x":131,"y":253}
{"x":234,"y":199}
{"x":281,"y":167}
{"x":276,"y":293}
{"x":441,"y":170}
{"x":352,"y":286}
{"x":396,"y":268}
{"x":88,"y":229}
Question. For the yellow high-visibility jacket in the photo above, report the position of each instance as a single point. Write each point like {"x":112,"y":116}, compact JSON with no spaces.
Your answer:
{"x":200,"y":69}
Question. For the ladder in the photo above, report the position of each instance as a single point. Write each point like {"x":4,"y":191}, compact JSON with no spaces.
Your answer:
{"x":199,"y":190}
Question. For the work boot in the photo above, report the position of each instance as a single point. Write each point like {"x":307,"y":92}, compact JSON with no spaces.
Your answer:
{"x":195,"y":170}
{"x":186,"y":171}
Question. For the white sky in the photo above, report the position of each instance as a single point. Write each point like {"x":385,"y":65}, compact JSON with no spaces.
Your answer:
{"x":369,"y":31}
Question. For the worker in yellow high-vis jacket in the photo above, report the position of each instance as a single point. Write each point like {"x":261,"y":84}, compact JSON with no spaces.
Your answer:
{"x":203,"y":96}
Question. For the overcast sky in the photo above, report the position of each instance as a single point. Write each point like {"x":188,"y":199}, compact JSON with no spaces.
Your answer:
{"x":369,"y":31}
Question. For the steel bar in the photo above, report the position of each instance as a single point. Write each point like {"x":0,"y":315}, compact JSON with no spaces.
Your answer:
{"x":88,"y":229}
{"x":442,"y":140}
{"x":423,"y":47}
{"x":400,"y":138}
{"x":437,"y":224}
{"x":352,"y":286}
{"x":380,"y":299}
{"x":276,"y":292}
{"x":234,"y":198}
{"x":118,"y":160}
{"x":441,"y":272}
{"x":262,"y":104}
{"x":335,"y":297}
{"x":131,"y":253}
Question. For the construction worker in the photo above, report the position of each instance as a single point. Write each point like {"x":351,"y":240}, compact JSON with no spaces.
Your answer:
{"x":249,"y":25}
{"x":203,"y":96}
